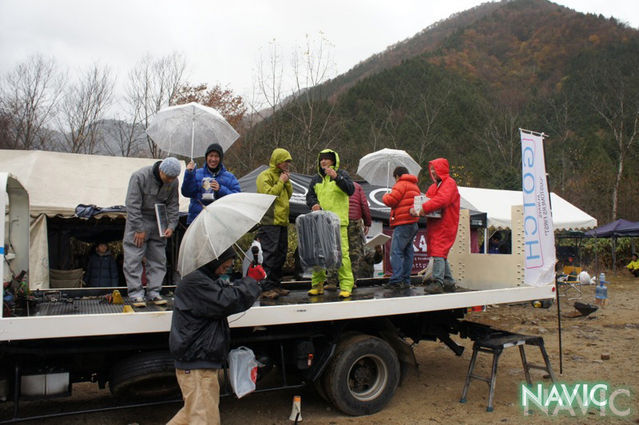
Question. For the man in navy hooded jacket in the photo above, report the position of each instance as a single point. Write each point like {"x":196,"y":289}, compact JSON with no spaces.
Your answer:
{"x":209,"y":183}
{"x":200,"y":334}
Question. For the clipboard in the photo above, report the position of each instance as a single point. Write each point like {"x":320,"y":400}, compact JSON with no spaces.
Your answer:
{"x":162,"y":218}
{"x":378,"y":239}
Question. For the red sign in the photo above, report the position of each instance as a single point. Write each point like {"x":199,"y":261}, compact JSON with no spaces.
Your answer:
{"x":420,"y":261}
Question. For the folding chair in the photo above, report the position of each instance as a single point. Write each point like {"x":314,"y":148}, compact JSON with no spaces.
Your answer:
{"x":570,"y":279}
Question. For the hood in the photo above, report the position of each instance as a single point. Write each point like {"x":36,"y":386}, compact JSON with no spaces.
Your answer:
{"x":278,"y":156}
{"x":441,"y":166}
{"x":210,"y":267}
{"x":330,"y":151}
{"x":409,"y":178}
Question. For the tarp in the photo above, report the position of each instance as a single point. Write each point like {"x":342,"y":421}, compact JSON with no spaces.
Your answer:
{"x":497,"y":203}
{"x":58,"y":182}
{"x":374,"y":194}
{"x":617,"y":228}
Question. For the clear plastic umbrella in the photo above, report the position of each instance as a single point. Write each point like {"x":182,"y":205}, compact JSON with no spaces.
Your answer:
{"x":218,"y":226}
{"x":184,"y":129}
{"x":377,"y":167}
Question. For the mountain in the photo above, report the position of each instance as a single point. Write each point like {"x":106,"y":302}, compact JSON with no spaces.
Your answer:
{"x":463,"y":87}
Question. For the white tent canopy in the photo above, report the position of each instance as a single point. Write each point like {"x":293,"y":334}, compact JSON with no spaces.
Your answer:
{"x":497,"y":203}
{"x":57,"y":182}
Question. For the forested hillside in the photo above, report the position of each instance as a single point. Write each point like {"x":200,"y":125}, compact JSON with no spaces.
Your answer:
{"x":463,"y":87}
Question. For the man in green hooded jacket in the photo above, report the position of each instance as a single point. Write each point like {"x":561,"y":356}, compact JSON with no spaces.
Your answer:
{"x":273,"y":233}
{"x":329,"y":190}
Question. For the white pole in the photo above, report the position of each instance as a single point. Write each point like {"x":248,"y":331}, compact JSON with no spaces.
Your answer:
{"x":192,"y":130}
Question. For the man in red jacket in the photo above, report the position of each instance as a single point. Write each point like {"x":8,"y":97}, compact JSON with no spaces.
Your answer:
{"x":440,"y":232}
{"x":401,"y":199}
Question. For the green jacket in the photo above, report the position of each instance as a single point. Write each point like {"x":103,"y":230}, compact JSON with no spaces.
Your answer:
{"x":268,"y":181}
{"x":331,"y":195}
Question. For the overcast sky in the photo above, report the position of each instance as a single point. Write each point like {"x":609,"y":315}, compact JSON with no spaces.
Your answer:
{"x":222,"y":40}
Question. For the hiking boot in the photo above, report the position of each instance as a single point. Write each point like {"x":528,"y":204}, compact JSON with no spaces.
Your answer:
{"x":405,"y":285}
{"x":158,"y":300}
{"x":281,"y":291}
{"x":271,"y":294}
{"x":137,"y":302}
{"x":449,"y":287}
{"x":330,"y":287}
{"x":344,"y":294}
{"x":433,"y":288}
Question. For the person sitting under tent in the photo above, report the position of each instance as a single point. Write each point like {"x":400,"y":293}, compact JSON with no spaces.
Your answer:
{"x":209,"y":183}
{"x":633,"y":266}
{"x":101,"y":268}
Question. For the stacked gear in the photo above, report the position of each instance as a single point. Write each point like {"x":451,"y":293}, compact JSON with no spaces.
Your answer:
{"x":318,"y":239}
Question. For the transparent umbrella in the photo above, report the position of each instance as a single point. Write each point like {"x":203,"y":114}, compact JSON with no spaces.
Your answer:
{"x":184,"y":129}
{"x":377,"y":167}
{"x":218,"y":226}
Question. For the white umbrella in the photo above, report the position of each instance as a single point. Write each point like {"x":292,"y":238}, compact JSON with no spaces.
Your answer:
{"x":377,"y":167}
{"x":181,"y":129}
{"x":218,"y":226}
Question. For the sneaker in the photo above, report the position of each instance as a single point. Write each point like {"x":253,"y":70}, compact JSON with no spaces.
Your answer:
{"x":316,"y":290}
{"x":433,"y":288}
{"x":344,"y":294}
{"x":392,"y":285}
{"x":158,"y":300}
{"x":330,"y":287}
{"x":281,"y":291}
{"x":137,"y":302}
{"x":271,"y":294}
{"x":449,"y":287}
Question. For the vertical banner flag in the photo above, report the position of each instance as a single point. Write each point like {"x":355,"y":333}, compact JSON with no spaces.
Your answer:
{"x":539,"y":235}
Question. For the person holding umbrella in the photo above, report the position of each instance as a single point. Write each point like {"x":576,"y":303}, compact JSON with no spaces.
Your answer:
{"x":200,"y":334}
{"x":329,"y":190}
{"x":209,"y":183}
{"x":440,"y":232}
{"x":273,"y":232}
{"x":149,"y":186}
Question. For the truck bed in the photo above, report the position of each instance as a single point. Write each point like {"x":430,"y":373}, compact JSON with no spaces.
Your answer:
{"x":75,"y":316}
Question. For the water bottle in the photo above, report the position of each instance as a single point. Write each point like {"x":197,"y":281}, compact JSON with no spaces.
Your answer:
{"x":602,"y":277}
{"x":601,"y":293}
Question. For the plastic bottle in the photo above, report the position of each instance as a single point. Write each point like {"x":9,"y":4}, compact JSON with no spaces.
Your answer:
{"x":601,"y":293}
{"x":602,"y":277}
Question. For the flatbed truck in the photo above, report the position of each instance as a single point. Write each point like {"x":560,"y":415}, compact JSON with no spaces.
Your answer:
{"x":353,"y":351}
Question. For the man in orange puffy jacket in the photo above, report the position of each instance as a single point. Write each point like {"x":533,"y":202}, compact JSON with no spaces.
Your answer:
{"x":401,"y":200}
{"x":440,"y":232}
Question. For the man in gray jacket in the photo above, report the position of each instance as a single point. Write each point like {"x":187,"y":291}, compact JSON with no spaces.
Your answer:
{"x":151,"y":185}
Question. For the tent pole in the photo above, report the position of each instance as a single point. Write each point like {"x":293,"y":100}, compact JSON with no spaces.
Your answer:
{"x":614,"y":255}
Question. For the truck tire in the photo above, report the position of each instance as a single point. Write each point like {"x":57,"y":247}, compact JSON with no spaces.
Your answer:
{"x":145,"y":376}
{"x":362,"y":376}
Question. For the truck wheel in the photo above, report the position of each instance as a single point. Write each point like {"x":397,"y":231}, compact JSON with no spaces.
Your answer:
{"x":362,"y":376}
{"x":145,"y":376}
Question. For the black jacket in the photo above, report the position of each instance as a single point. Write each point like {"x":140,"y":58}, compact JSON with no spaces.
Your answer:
{"x":101,"y":270}
{"x":200,"y":334}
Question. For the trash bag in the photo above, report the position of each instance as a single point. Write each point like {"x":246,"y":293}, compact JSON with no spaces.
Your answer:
{"x":318,"y":240}
{"x":243,"y":370}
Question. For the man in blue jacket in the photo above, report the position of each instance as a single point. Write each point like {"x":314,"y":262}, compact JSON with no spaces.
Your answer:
{"x":200,"y":334}
{"x":209,"y":183}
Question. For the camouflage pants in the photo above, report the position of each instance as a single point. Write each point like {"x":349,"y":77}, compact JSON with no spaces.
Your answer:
{"x":361,"y":268}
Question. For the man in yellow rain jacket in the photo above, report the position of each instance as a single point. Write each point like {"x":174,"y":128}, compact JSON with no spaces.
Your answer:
{"x":329,"y":190}
{"x":273,"y":233}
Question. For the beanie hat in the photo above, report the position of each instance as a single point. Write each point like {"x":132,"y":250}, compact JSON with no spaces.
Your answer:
{"x":171,"y":167}
{"x":215,"y":147}
{"x":211,"y":267}
{"x":327,"y":155}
